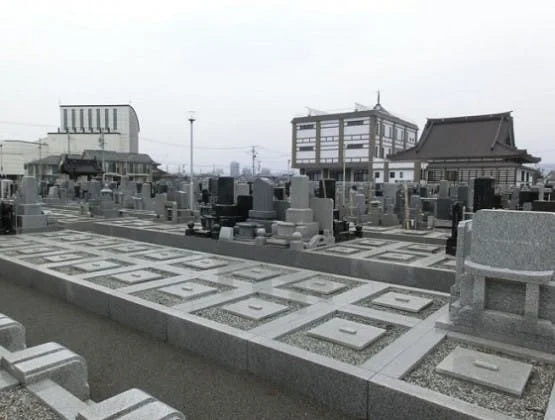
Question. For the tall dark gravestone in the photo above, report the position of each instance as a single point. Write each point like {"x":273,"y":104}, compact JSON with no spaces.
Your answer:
{"x":484,"y":193}
{"x":225,"y":188}
{"x":451,"y":244}
{"x":326,"y":188}
{"x":279,"y":193}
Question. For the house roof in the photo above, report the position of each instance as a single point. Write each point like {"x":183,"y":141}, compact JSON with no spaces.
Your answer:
{"x":477,"y":136}
{"x":51,"y":160}
{"x":118,"y":156}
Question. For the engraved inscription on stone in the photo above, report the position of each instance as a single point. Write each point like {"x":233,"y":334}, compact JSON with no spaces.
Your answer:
{"x":320,"y":285}
{"x":189,"y":290}
{"x":496,"y":372}
{"x":96,"y":266}
{"x":257,"y":273}
{"x":403,"y":302}
{"x":347,"y":333}
{"x":137,"y":276}
{"x":255,"y":309}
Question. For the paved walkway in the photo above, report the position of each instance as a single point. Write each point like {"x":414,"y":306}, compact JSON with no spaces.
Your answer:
{"x":120,"y":358}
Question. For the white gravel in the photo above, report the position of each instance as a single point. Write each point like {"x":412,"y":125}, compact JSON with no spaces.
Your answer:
{"x":20,"y":404}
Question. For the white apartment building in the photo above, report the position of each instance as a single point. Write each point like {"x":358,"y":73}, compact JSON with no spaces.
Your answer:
{"x":82,"y":127}
{"x":14,"y":154}
{"x":357,"y":142}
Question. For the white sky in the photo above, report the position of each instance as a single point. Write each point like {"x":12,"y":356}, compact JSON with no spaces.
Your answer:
{"x":248,"y":67}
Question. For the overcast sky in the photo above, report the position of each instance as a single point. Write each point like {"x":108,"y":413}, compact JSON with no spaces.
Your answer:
{"x":248,"y":67}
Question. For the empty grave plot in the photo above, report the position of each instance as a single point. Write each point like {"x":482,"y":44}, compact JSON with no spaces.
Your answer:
{"x":32,"y":250}
{"x":90,"y":266}
{"x":479,"y":387}
{"x":396,"y":257}
{"x":182,"y":292}
{"x":251,"y":311}
{"x":128,"y":278}
{"x":165,"y":254}
{"x":322,"y":285}
{"x":405,"y":302}
{"x":58,"y":258}
{"x":75,"y":237}
{"x":102,"y":242}
{"x":345,"y":337}
{"x":17,"y":244}
{"x":130,"y":247}
{"x":371,"y":243}
{"x":342,"y":250}
{"x":257,"y":273}
{"x":446,"y":264}
{"x":205,"y":263}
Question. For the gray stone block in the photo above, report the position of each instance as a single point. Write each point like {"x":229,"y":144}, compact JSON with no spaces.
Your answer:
{"x":12,"y":334}
{"x":49,"y":361}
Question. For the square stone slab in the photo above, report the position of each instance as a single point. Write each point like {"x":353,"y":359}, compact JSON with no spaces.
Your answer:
{"x":206,"y":263}
{"x":137,"y":276}
{"x":36,"y":250}
{"x":131,"y":248}
{"x":102,"y":242}
{"x":165,"y":255}
{"x":423,"y":247}
{"x":372,"y":242}
{"x":403,"y":302}
{"x":450,"y":263}
{"x":62,"y":257}
{"x":255,"y":308}
{"x":257,"y":273}
{"x":343,"y":250}
{"x":486,"y":369}
{"x":396,"y":256}
{"x":96,"y":266}
{"x":415,"y":232}
{"x":347,"y":333}
{"x":189,"y":290}
{"x":75,"y":238}
{"x":320,"y":285}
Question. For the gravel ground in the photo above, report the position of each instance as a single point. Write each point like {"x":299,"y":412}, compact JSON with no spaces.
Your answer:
{"x":216,"y":313}
{"x":113,"y":283}
{"x":439,"y":301}
{"x":166,"y":299}
{"x":20,"y":404}
{"x":70,"y":270}
{"x":531,"y":406}
{"x":351,"y":284}
{"x":301,"y":339}
{"x":42,"y":260}
{"x":16,"y":252}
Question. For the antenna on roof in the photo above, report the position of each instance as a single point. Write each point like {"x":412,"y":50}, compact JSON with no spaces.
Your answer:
{"x":378,"y":103}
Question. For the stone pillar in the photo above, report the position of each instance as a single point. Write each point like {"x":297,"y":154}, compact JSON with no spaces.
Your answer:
{"x":318,"y":141}
{"x":385,"y":171}
{"x":417,"y":171}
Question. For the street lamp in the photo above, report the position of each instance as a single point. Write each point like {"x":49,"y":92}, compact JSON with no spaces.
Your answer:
{"x":191,"y":187}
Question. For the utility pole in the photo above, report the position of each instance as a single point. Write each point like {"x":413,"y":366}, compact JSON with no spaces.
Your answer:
{"x":253,"y":155}
{"x":40,"y":160}
{"x":102,"y":142}
{"x":68,"y":145}
{"x":191,"y":186}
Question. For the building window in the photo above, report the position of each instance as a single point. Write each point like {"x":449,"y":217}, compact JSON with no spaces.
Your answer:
{"x":107,"y":119}
{"x":355,"y":146}
{"x":392,"y":174}
{"x":65,"y":120}
{"x":115,"y":119}
{"x":73,"y":119}
{"x":381,"y":152}
{"x":527,"y":176}
{"x":306,"y":148}
{"x":89,"y":115}
{"x":452,"y":176}
{"x":401,"y":174}
{"x":306,"y":126}
{"x":98,"y":120}
{"x":357,"y":122}
{"x":376,"y":175}
{"x":81,"y":119}
{"x":360,"y":176}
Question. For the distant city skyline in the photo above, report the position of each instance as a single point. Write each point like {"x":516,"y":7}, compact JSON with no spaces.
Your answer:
{"x":250,"y":68}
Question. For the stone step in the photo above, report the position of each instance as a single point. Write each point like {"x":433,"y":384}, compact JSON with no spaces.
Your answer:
{"x":132,"y":404}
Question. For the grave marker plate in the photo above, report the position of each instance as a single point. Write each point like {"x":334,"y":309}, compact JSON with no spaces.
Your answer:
{"x":347,"y":333}
{"x":257,"y":273}
{"x":403,"y":302}
{"x":130,"y":248}
{"x":372,"y":242}
{"x":423,"y":247}
{"x":320,"y":285}
{"x":343,"y":250}
{"x":37,"y":250}
{"x":165,"y":255}
{"x":396,"y":256}
{"x":96,"y":266}
{"x":189,"y":290}
{"x":255,"y":308}
{"x":137,"y":276}
{"x":486,"y":369}
{"x":206,"y":263}
{"x":62,"y":257}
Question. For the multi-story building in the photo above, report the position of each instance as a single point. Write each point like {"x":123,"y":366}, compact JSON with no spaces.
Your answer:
{"x":461,"y":149}
{"x":234,"y":169}
{"x":14,"y":154}
{"x":357,"y":142}
{"x":84,"y":127}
